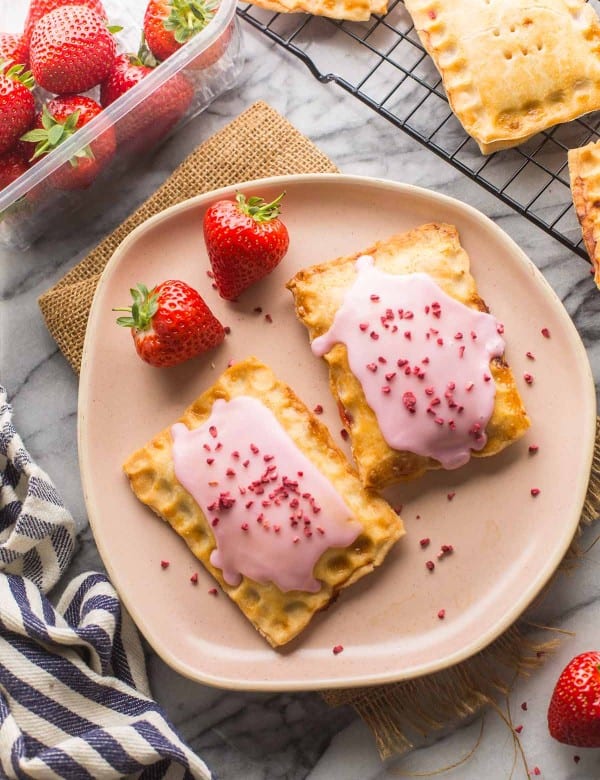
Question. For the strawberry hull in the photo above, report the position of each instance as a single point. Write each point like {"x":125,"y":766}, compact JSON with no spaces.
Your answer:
{"x":82,"y":172}
{"x":163,"y":42}
{"x":84,"y":166}
{"x":141,"y":117}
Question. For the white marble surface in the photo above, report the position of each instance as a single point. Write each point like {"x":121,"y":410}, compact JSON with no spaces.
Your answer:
{"x":254,"y":736}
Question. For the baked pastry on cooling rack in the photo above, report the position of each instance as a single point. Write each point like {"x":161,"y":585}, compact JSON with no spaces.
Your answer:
{"x":264,"y":498}
{"x":416,"y":362}
{"x":584,"y":174}
{"x":350,"y":10}
{"x":512,"y":68}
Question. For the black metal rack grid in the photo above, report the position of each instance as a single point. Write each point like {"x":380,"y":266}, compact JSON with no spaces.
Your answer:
{"x":382,"y":63}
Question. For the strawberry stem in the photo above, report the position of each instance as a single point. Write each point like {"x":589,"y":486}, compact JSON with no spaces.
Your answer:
{"x":17,"y":73}
{"x":144,"y":55}
{"x":188,"y":17}
{"x":54,"y":133}
{"x":256,"y":207}
{"x":141,"y":311}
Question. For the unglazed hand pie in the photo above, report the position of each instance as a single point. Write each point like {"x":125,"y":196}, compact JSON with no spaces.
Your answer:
{"x":416,"y":361}
{"x":512,"y":68}
{"x":263,"y":497}
{"x":584,"y":172}
{"x":350,"y":10}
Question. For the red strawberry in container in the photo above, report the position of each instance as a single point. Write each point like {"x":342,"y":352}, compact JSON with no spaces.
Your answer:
{"x":13,"y":48}
{"x":39,"y":8}
{"x":574,"y":711}
{"x":152,"y":119}
{"x":71,"y":50}
{"x":245,"y":240}
{"x":170,"y":323}
{"x":169,"y":24}
{"x":58,"y":120}
{"x":12,"y":165}
{"x":17,"y":106}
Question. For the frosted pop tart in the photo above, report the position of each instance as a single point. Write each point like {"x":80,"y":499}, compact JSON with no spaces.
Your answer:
{"x":256,"y":486}
{"x":416,"y":360}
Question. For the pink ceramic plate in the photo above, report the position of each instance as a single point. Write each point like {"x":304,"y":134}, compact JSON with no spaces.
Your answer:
{"x":506,"y":542}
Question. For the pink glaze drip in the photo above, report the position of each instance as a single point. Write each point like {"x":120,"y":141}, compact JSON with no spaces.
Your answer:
{"x":272,"y":512}
{"x":423,"y":360}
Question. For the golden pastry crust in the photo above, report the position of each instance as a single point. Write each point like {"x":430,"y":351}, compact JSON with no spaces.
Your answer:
{"x":318,"y":292}
{"x":278,"y":616}
{"x":350,"y":10}
{"x":512,"y":68}
{"x":584,"y":174}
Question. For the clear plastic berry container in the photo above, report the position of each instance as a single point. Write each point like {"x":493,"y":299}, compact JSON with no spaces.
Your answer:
{"x":210,"y":63}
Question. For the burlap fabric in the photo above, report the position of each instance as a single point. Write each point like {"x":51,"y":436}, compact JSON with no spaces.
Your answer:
{"x":261,"y":143}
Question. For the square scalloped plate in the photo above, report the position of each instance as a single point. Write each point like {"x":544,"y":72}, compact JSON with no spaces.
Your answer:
{"x":507,"y":543}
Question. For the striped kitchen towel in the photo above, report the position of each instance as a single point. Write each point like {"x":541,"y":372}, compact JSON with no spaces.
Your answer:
{"x":74,"y":696}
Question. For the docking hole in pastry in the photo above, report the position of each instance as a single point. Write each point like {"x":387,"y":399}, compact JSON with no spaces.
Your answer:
{"x":416,"y":362}
{"x":512,"y":68}
{"x":584,"y":174}
{"x":264,"y":498}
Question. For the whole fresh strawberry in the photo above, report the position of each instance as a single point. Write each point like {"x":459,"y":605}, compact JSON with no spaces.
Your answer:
{"x":574,"y":711}
{"x":152,"y":119}
{"x":245,"y":240}
{"x":12,"y":165}
{"x":170,"y":323}
{"x":39,"y":8}
{"x":13,"y":48}
{"x":168,"y":24}
{"x":127,"y":71}
{"x":60,"y":118}
{"x":71,"y":50}
{"x":17,"y":106}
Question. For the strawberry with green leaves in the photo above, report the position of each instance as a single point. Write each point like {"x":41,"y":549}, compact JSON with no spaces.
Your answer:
{"x":13,"y":48}
{"x":168,"y":24}
{"x":39,"y":8}
{"x":17,"y":106}
{"x":59,"y":119}
{"x":574,"y":711}
{"x":153,"y":118}
{"x":170,"y":323}
{"x":245,"y":240}
{"x":71,"y":50}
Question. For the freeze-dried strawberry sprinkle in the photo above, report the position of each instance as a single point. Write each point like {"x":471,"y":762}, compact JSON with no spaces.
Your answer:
{"x":452,"y":359}
{"x":281,"y":487}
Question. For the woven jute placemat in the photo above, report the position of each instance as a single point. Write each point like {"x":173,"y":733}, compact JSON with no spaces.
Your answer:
{"x":261,"y":143}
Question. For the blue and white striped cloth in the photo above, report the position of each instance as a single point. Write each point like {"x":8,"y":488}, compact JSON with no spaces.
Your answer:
{"x":74,"y":696}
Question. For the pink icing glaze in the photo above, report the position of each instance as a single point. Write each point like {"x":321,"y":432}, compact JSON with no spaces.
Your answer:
{"x":423,"y":360}
{"x":272,"y":512}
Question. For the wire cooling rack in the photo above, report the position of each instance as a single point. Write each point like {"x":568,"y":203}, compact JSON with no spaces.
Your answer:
{"x":382,"y":63}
